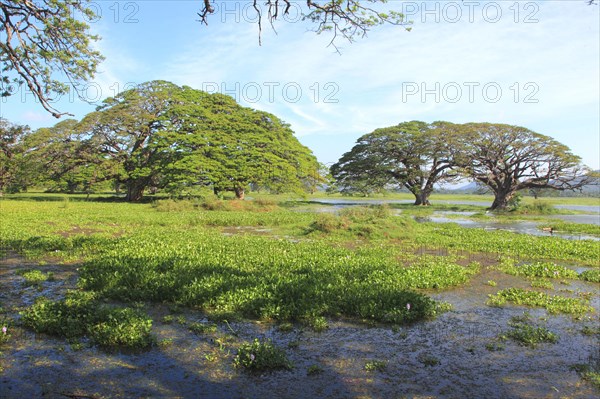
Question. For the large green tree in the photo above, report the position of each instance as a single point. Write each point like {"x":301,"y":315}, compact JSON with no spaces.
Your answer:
{"x":167,"y":136}
{"x":64,"y":158}
{"x":414,"y":155}
{"x":509,"y":158}
{"x":131,"y":131}
{"x":44,"y":41}
{"x":11,"y":155}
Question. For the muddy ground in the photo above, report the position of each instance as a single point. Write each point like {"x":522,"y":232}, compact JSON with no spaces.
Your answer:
{"x":445,"y":358}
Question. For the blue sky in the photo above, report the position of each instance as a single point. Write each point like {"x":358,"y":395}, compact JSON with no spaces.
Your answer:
{"x":534,"y":64}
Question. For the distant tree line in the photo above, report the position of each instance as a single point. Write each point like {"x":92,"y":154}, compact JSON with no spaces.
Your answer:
{"x":417,"y":155}
{"x":159,"y":136}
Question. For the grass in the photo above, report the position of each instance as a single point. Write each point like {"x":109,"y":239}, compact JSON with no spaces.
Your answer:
{"x":574,"y":228}
{"x":552,"y":303}
{"x":537,"y":207}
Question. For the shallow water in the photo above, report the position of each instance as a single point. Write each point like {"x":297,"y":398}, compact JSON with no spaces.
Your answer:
{"x":585,"y":219}
{"x":444,"y":358}
{"x":521,"y":226}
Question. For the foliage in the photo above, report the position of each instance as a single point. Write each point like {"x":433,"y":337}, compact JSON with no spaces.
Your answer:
{"x":35,"y":277}
{"x":552,"y":303}
{"x":592,"y":275}
{"x":202,"y":328}
{"x":376,"y":365}
{"x":314,"y":369}
{"x":261,"y":356}
{"x":591,"y":331}
{"x":164,"y":136}
{"x":412,"y":155}
{"x":328,"y":223}
{"x":81,"y":314}
{"x":506,"y":244}
{"x":509,"y":158}
{"x":183,"y":258}
{"x":65,"y":158}
{"x":536,"y":208}
{"x":541,"y":283}
{"x":318,"y":324}
{"x":41,"y":39}
{"x":575,"y":228}
{"x":538,"y":269}
{"x":514,"y":203}
{"x":5,"y":330}
{"x":13,"y":175}
{"x":494,"y":346}
{"x":529,"y":335}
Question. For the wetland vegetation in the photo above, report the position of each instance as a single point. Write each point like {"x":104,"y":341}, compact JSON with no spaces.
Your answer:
{"x":273,"y":284}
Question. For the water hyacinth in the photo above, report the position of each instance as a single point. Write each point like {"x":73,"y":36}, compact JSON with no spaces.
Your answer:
{"x":4,"y":337}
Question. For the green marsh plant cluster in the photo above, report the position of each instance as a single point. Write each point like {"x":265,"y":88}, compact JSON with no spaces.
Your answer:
{"x":80,"y":315}
{"x":360,"y":263}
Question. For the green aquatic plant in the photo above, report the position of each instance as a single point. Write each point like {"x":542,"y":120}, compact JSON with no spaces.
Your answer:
{"x":538,"y":269}
{"x":592,"y":275}
{"x":202,"y":328}
{"x":261,"y":356}
{"x":376,"y":365}
{"x":552,"y":303}
{"x":530,"y":335}
{"x":35,"y":277}
{"x":80,"y":314}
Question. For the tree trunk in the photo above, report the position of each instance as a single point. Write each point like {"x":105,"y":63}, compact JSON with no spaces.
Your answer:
{"x":501,"y":200}
{"x":239,"y":193}
{"x":422,"y":197}
{"x":135,"y":191}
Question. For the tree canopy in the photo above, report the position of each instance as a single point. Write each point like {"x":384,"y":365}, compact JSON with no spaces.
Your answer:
{"x":509,"y":158}
{"x":40,"y":38}
{"x":414,"y":155}
{"x":160,"y":135}
{"x":11,"y":153}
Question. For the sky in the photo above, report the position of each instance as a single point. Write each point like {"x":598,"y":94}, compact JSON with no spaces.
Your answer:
{"x":526,"y":63}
